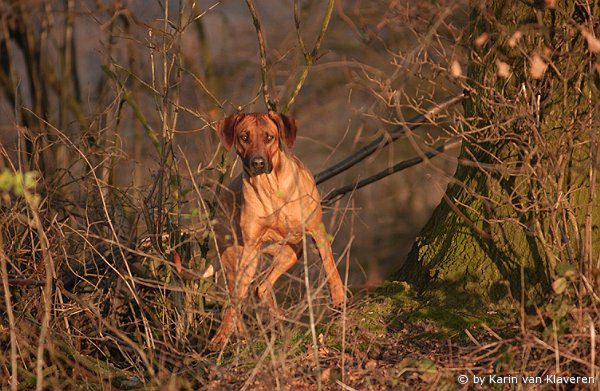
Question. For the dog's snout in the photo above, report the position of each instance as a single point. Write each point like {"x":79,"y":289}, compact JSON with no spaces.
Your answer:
{"x":258,"y":163}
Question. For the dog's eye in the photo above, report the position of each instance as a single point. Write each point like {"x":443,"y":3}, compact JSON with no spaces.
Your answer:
{"x":269,"y":138}
{"x":244,"y":138}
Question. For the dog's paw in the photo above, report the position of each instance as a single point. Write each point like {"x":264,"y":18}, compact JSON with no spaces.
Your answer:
{"x":338,"y":299}
{"x":223,"y":333}
{"x":219,"y":340}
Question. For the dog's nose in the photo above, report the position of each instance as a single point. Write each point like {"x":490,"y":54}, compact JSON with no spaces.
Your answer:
{"x":258,"y":163}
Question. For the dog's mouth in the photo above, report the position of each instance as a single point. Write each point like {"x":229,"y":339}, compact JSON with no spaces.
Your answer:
{"x":255,"y":170}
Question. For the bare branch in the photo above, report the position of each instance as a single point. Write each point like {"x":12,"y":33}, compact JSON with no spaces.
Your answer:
{"x":382,"y":141}
{"x":338,"y":193}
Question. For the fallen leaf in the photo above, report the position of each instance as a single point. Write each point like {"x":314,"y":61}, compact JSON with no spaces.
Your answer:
{"x":514,"y":39}
{"x":503,"y":69}
{"x":177,"y":261}
{"x":560,"y":285}
{"x":481,"y":40}
{"x":326,"y":375}
{"x":538,"y":67}
{"x":209,"y":272}
{"x":592,"y":42}
{"x":455,"y":69}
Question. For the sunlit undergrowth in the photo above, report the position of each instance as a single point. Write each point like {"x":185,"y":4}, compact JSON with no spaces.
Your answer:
{"x":110,"y":172}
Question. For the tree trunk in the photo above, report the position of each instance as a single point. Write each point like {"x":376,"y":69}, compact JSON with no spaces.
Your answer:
{"x":521,"y":205}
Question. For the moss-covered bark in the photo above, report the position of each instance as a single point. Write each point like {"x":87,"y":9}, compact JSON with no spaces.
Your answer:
{"x":520,"y":207}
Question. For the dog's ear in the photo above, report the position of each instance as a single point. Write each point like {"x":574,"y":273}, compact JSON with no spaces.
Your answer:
{"x":287,"y":128}
{"x":226,"y":129}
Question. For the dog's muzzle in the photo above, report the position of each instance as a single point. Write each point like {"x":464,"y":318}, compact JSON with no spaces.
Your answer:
{"x":259,"y":165}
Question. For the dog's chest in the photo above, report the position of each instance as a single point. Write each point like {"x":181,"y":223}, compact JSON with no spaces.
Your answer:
{"x":281,"y":209}
{"x":284,"y":223}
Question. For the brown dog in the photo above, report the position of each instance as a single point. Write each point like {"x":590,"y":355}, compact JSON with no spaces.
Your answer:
{"x":272,"y":203}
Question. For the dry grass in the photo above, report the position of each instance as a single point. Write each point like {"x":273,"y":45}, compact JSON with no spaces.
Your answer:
{"x":108,"y":196}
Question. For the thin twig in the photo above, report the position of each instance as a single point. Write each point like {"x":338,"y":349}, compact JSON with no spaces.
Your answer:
{"x":310,"y":57}
{"x":124,"y":337}
{"x":309,"y":298}
{"x":46,"y":294}
{"x":345,"y":306}
{"x":465,"y":218}
{"x":264,"y":67}
{"x":258,"y":365}
{"x":104,"y":203}
{"x":345,"y":386}
{"x":14,"y":382}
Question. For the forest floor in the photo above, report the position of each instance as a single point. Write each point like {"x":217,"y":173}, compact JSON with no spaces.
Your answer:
{"x":395,"y":339}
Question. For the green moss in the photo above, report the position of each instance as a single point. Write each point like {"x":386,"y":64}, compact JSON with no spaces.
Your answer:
{"x":300,"y":340}
{"x":440,"y":313}
{"x":448,"y":320}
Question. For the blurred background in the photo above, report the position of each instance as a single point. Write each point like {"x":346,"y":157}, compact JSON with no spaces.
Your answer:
{"x":93,"y":91}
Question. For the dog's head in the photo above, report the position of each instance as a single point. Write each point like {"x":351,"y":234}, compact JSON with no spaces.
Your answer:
{"x":257,"y":138}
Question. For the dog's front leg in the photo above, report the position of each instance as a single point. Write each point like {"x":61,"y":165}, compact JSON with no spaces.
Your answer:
{"x":284,"y":257}
{"x":239,"y":266}
{"x":336,"y":287}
